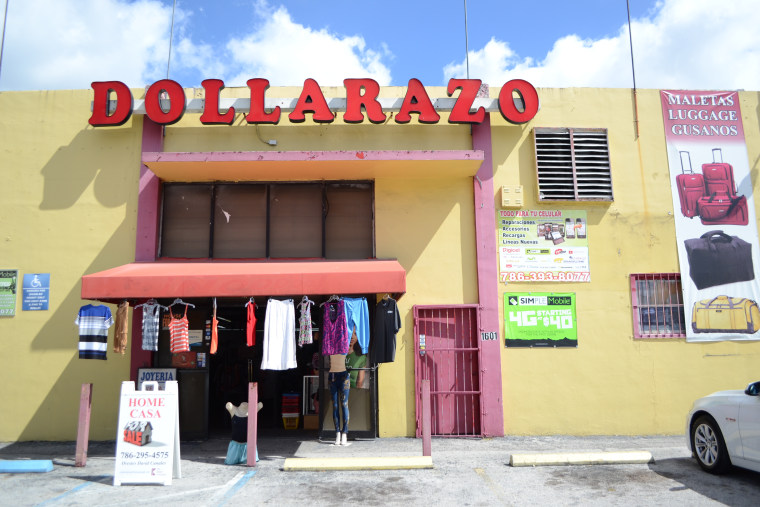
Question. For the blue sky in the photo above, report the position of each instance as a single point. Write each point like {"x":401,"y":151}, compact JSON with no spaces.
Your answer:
{"x":692,"y":44}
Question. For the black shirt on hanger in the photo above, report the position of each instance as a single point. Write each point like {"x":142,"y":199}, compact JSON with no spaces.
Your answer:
{"x":387,"y":324}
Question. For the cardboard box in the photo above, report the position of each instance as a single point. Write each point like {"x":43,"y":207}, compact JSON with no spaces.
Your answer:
{"x":311,"y":422}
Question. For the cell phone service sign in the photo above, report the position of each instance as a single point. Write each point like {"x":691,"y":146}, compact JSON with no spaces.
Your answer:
{"x":540,"y":319}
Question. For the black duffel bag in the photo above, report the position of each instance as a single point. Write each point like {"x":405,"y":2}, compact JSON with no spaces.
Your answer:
{"x":715,"y":258}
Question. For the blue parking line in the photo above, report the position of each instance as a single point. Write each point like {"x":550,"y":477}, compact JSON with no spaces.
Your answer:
{"x":64,"y":495}
{"x":239,"y":484}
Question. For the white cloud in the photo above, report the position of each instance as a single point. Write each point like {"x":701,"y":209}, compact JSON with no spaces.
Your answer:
{"x":697,"y":44}
{"x":286,"y":53}
{"x":53,"y":44}
{"x":60,"y":44}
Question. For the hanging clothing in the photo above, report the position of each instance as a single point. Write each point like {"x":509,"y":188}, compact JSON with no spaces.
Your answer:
{"x":214,"y":332}
{"x":387,"y":324}
{"x":93,"y":322}
{"x":304,"y":323}
{"x":250,"y":329}
{"x":279,"y":350}
{"x":151,"y":319}
{"x":178,"y":333}
{"x":121,"y":329}
{"x":335,"y":337}
{"x":357,"y":316}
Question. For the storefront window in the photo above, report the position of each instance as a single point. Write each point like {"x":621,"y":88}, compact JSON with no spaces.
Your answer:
{"x":349,"y":222}
{"x":185,"y":223}
{"x":295,"y":220}
{"x":332,"y":220}
{"x":657,"y":304}
{"x":240,"y":222}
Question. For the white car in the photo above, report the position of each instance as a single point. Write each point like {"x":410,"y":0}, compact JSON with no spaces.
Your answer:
{"x":723,"y":429}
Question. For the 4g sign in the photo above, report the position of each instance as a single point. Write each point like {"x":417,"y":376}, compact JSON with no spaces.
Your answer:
{"x":360,"y":94}
{"x":540,"y":320}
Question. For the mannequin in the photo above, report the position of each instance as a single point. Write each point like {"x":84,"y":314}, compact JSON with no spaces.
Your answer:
{"x":339,"y":381}
{"x":237,"y":451}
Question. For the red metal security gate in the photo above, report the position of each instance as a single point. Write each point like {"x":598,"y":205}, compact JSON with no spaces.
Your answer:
{"x":447,"y":353}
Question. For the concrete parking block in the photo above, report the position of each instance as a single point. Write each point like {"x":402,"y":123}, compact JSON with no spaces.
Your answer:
{"x":358,"y":463}
{"x":580,"y":458}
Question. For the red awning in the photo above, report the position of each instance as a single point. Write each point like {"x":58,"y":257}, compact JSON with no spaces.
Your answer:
{"x":191,"y":279}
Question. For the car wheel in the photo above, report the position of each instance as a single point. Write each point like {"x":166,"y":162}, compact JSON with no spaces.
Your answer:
{"x":708,"y":445}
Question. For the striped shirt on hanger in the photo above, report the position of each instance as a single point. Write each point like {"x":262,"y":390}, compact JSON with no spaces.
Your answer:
{"x":93,"y":322}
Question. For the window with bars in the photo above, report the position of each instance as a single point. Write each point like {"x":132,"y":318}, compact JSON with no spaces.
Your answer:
{"x":657,"y":305}
{"x":331,"y":220}
{"x":573,"y":164}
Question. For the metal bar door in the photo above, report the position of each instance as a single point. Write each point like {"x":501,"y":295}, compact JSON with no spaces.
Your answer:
{"x":447,"y":353}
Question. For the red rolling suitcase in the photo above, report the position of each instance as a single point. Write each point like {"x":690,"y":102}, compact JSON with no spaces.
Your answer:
{"x":690,"y":186}
{"x":721,"y":205}
{"x":719,"y":176}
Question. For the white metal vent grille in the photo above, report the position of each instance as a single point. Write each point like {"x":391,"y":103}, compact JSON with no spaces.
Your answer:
{"x":573,"y":164}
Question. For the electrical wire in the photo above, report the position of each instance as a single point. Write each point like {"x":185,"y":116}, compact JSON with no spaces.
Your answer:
{"x":171,"y":37}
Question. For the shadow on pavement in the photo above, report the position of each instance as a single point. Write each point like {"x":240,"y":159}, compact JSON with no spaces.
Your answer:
{"x":732,"y":488}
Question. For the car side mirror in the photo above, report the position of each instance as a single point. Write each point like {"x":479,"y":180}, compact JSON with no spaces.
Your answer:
{"x":753,"y":389}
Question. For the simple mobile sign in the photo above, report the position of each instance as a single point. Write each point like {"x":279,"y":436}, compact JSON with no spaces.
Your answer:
{"x":539,"y":319}
{"x":147,"y":436}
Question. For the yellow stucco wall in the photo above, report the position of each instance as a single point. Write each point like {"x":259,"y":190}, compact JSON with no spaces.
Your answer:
{"x":613,"y":384}
{"x":69,"y":209}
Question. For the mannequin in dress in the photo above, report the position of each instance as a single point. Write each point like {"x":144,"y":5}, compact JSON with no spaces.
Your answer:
{"x":237,"y":451}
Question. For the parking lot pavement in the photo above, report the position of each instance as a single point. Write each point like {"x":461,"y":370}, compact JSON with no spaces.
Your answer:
{"x":465,"y":472}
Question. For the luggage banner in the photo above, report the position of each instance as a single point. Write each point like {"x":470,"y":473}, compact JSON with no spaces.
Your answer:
{"x":547,"y":245}
{"x":714,"y":214}
{"x":540,"y":319}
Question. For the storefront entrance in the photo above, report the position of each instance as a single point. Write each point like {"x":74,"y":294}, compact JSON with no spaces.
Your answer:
{"x":447,"y":353}
{"x":295,"y":400}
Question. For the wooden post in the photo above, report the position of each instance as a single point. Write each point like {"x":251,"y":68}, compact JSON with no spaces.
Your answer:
{"x":427,"y":448}
{"x":253,"y":416}
{"x":83,"y":429}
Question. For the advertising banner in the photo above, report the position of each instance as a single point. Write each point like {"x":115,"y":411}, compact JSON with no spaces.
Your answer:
{"x":714,"y":214}
{"x":542,"y":246}
{"x":8,"y":282}
{"x":147,"y":436}
{"x":540,"y":319}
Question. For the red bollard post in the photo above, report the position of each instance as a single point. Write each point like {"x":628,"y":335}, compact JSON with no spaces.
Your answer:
{"x":253,"y":415}
{"x":83,"y":428}
{"x":427,"y":445}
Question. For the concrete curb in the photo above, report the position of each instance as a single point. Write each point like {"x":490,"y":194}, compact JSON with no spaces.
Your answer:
{"x":580,"y":458}
{"x":356,"y":463}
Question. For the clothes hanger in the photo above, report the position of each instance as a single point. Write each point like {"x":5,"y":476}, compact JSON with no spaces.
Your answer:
{"x":152,"y":301}
{"x":178,"y":301}
{"x":251,"y":301}
{"x":332,"y":298}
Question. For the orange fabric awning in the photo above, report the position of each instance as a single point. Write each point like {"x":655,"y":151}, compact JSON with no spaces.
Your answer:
{"x":192,"y":279}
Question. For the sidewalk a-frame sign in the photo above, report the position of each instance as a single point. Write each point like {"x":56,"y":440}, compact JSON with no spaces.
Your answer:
{"x":147,"y":437}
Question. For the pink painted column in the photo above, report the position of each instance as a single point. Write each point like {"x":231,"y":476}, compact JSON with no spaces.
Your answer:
{"x":146,"y":246}
{"x":488,"y":285}
{"x":253,"y":423}
{"x":83,"y":428}
{"x":427,"y":444}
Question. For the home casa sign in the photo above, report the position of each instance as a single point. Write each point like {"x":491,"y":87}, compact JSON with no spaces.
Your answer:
{"x":165,"y":103}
